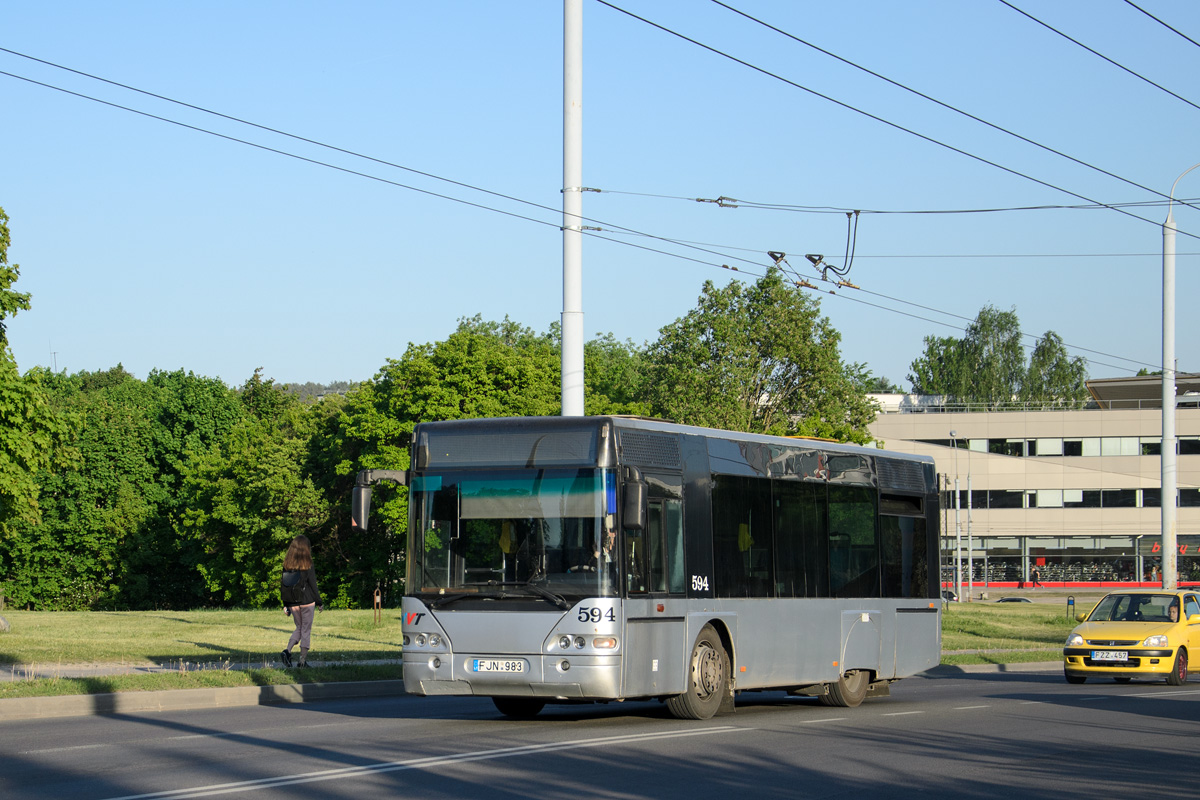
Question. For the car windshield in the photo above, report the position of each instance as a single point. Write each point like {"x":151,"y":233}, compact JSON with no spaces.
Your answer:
{"x":514,"y":533}
{"x":1135,"y":608}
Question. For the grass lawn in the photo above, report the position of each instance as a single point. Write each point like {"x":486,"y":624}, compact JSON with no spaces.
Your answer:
{"x":200,"y":648}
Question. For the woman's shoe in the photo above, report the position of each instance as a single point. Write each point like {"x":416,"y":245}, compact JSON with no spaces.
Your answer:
{"x":287,"y":658}
{"x":303,"y":663}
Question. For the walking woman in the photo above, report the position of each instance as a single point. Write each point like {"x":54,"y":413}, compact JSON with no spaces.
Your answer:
{"x":300,"y":595}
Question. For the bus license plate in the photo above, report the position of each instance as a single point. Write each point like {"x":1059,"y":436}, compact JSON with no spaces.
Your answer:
{"x":497,"y":665}
{"x":1110,"y":655}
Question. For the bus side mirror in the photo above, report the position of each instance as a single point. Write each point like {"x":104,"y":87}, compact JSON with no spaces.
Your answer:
{"x":360,"y":506}
{"x":636,"y":507}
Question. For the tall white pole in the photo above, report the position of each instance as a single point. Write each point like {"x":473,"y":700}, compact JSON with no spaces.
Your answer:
{"x":970,"y":544}
{"x":957,"y":523}
{"x":572,"y":309}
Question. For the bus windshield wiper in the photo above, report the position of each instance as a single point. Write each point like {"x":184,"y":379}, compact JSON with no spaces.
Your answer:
{"x":540,"y":591}
{"x":557,"y":599}
{"x":447,"y":599}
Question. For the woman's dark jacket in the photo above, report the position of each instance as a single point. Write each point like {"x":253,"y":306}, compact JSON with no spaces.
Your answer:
{"x":299,"y":588}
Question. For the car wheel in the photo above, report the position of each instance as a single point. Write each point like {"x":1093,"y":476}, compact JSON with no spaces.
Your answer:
{"x":1074,"y":678}
{"x":1179,"y":670}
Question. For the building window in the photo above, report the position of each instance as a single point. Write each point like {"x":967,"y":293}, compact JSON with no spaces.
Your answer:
{"x":1189,"y":446}
{"x":1049,"y":447}
{"x":1007,"y":447}
{"x":1081,"y":498}
{"x":1189,"y":498}
{"x":1001,"y":498}
{"x":1118,"y":498}
{"x":1048,"y":498}
{"x":1120,"y":446}
{"x":1151,"y":445}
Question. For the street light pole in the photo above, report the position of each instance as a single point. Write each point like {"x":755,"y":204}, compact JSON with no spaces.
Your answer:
{"x":957,"y":524}
{"x":1167,"y":450}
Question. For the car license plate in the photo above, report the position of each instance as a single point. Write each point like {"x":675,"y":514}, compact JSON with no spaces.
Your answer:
{"x":1110,"y":655}
{"x":497,"y":665}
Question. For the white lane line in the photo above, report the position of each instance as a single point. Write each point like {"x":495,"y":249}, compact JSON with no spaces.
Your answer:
{"x":819,"y":721}
{"x":903,"y":713}
{"x":417,"y":763}
{"x":63,"y":749}
{"x":968,"y":708}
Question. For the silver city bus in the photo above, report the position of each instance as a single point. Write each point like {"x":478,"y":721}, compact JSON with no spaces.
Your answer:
{"x":565,"y":559}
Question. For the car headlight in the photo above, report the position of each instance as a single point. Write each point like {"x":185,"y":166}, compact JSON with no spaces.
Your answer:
{"x":1074,"y":640}
{"x":1155,"y":641}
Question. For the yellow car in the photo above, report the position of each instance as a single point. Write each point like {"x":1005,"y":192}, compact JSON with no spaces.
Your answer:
{"x":1138,"y":633}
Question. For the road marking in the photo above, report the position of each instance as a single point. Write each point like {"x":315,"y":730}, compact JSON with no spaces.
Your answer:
{"x":63,"y":749}
{"x":968,"y":708}
{"x":903,"y":713}
{"x":818,"y":721}
{"x":430,"y":762}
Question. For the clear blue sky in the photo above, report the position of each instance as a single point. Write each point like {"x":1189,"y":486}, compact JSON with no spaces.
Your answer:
{"x":157,"y":246}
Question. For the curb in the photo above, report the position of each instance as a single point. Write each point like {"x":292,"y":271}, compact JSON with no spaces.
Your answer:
{"x":950,"y":670}
{"x":19,"y":708}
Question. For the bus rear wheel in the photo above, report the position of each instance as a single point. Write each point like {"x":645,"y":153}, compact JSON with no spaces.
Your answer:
{"x":849,"y":691}
{"x":708,"y":679}
{"x":519,"y":707}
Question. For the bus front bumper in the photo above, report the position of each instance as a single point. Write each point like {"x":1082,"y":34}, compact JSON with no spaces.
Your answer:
{"x":587,"y":677}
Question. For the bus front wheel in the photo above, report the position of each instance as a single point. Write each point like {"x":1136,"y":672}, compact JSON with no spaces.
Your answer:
{"x":849,"y":691}
{"x":708,"y":679}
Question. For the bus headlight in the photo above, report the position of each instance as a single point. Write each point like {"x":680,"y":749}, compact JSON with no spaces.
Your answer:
{"x":580,"y":642}
{"x":564,"y":642}
{"x":435,"y":640}
{"x":420,"y":640}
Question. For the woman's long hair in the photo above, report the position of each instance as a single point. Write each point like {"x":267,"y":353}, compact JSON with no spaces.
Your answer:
{"x":299,"y":554}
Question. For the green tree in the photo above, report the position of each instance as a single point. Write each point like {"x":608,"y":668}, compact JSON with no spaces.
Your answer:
{"x":11,"y":301}
{"x":483,"y":369}
{"x":248,"y":494}
{"x":988,"y":366}
{"x":614,"y":377}
{"x":757,"y":358}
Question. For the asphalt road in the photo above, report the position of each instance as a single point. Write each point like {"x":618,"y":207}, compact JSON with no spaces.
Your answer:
{"x":962,"y":736}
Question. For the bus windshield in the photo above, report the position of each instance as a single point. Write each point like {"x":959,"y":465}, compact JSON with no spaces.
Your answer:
{"x":514,"y":532}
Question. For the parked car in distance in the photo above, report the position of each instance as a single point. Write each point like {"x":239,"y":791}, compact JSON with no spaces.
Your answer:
{"x":1135,"y":634}
{"x":1014,"y":600}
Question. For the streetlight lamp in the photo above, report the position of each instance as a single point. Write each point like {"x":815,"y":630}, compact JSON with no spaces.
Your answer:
{"x":1167,"y":449}
{"x":957,"y":524}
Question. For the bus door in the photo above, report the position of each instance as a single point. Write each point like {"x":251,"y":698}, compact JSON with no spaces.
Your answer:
{"x":655,"y":610}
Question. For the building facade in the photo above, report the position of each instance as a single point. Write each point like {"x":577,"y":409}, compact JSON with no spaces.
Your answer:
{"x":1074,"y":494}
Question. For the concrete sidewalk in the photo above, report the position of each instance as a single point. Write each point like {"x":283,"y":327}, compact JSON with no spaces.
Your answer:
{"x":79,"y":705}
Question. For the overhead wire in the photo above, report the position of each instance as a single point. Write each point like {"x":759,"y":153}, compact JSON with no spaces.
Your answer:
{"x":592,"y":232}
{"x":934,"y":100}
{"x":1160,"y":22}
{"x":876,"y":117}
{"x":733,"y":202}
{"x":1098,"y":54}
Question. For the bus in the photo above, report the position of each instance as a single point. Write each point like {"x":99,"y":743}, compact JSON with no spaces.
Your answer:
{"x":598,"y":559}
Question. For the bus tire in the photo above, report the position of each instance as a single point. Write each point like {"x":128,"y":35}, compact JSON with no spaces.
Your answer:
{"x":1179,"y":670}
{"x":519,"y":707}
{"x":849,"y":690}
{"x":708,"y":679}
